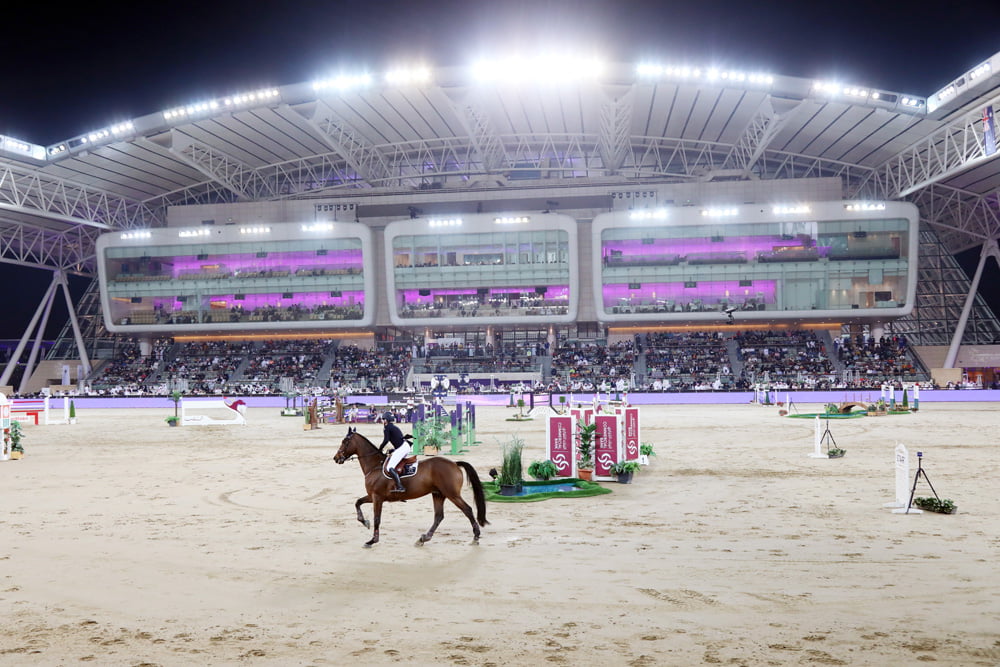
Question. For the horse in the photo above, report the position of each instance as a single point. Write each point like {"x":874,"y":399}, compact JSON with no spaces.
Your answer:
{"x":440,"y":477}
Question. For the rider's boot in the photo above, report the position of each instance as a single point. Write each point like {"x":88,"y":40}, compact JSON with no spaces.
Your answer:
{"x":399,"y":483}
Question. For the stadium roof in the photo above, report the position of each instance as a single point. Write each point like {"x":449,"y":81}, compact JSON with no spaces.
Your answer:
{"x":515,"y":121}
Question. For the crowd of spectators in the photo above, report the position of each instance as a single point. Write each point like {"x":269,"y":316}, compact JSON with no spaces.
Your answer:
{"x":872,"y":360}
{"x":681,"y":361}
{"x":593,"y":363}
{"x":793,"y":359}
{"x":684,"y":361}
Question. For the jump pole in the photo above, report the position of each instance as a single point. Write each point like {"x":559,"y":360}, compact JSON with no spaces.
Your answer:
{"x":817,"y":443}
{"x":902,"y":501}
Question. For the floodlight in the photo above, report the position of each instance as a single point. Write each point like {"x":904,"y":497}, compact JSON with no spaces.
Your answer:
{"x":408,"y":76}
{"x":137,"y":234}
{"x":255,"y":230}
{"x":649,"y":214}
{"x":451,"y":222}
{"x":719,"y":212}
{"x":318,"y":227}
{"x":786,"y":209}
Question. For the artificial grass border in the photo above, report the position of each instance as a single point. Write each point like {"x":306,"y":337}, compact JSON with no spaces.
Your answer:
{"x":823,"y":415}
{"x":584,"y":490}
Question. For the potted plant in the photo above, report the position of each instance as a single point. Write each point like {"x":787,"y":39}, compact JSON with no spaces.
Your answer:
{"x":645,"y":451}
{"x":585,"y":435}
{"x":945,"y":506}
{"x":562,"y":404}
{"x":433,"y":435}
{"x":624,"y":470}
{"x":15,"y":435}
{"x":173,"y":421}
{"x":174,"y":396}
{"x":543,"y":470}
{"x":835,"y":452}
{"x":510,"y":476}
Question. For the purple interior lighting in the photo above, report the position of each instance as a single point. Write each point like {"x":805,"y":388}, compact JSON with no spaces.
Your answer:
{"x":674,"y":246}
{"x":412,"y":296}
{"x":311,"y":300}
{"x":292,"y":261}
{"x":709,"y":291}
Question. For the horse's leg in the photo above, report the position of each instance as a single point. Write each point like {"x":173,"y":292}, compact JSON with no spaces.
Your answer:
{"x":377,"y":511}
{"x":467,"y":511}
{"x":438,"y":516}
{"x":361,"y":517}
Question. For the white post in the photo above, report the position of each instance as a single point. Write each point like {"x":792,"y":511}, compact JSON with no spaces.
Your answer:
{"x":5,"y":446}
{"x":902,"y":482}
{"x":817,"y":437}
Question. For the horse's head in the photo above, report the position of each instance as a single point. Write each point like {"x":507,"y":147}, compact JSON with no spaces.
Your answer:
{"x":348,"y":447}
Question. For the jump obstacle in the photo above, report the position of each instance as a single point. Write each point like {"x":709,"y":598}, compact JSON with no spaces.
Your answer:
{"x":236,"y":409}
{"x":901,"y":504}
{"x":457,"y":427}
{"x":616,"y":438}
{"x":30,"y":410}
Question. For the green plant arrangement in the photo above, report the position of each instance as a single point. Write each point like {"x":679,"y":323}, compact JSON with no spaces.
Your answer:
{"x":174,"y":396}
{"x":646,"y":449}
{"x":942,"y":506}
{"x":511,"y":472}
{"x":16,"y":435}
{"x":543,"y":470}
{"x":434,"y":433}
{"x":172,"y":421}
{"x":620,"y":467}
{"x":835,"y":452}
{"x":624,"y":470}
{"x":585,"y":445}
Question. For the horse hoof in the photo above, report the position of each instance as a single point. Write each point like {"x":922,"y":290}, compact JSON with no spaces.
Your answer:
{"x":419,"y":543}
{"x":366,"y":545}
{"x":366,"y":523}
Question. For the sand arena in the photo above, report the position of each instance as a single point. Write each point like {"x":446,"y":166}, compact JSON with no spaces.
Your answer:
{"x":126,"y":542}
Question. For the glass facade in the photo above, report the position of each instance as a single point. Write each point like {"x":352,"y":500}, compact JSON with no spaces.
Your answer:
{"x":484,"y":268}
{"x":236,"y":282}
{"x":678,"y":263}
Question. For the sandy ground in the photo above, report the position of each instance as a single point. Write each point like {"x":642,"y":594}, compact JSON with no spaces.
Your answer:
{"x":126,"y":542}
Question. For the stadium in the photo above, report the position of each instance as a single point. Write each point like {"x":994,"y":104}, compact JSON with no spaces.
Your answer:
{"x":677,"y":231}
{"x":520,"y":207}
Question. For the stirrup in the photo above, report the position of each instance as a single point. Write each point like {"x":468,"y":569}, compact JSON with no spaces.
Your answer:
{"x":400,"y":489}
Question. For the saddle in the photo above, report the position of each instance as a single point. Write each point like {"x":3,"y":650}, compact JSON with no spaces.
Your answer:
{"x":406,"y":468}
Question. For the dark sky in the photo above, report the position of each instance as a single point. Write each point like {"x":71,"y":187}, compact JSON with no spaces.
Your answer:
{"x":87,"y":65}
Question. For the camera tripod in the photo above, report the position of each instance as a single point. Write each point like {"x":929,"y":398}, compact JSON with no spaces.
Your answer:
{"x":827,"y":437}
{"x":916,"y":478}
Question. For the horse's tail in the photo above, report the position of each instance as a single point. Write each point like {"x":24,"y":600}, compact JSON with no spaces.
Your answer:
{"x":477,"y":491}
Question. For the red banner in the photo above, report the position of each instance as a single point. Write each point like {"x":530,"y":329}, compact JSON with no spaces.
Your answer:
{"x":606,"y":448}
{"x":559,"y":445}
{"x":631,"y":429}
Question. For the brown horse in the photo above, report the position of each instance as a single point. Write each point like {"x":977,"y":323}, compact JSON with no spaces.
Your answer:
{"x":439,"y":477}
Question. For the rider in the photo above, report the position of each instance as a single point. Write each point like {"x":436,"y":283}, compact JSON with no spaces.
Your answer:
{"x":401,"y":448}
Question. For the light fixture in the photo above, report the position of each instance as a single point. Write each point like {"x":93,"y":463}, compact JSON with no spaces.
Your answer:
{"x":190,"y":233}
{"x":137,"y":234}
{"x":648,"y":214}
{"x":865,"y":206}
{"x":343,"y":82}
{"x":719,"y":212}
{"x":516,"y":220}
{"x":450,"y":222}
{"x":787,"y":209}
{"x":318,"y":227}
{"x":255,"y":230}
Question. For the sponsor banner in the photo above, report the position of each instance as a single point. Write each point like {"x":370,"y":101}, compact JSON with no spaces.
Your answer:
{"x":606,"y":449}
{"x":989,"y":131}
{"x":559,"y":445}
{"x":631,"y":434}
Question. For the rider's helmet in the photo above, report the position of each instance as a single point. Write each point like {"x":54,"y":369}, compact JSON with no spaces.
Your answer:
{"x":388,"y":417}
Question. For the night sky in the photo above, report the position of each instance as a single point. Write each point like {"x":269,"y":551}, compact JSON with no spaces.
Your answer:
{"x":82,"y":67}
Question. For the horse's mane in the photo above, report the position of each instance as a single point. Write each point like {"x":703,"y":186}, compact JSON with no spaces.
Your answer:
{"x":366,"y":441}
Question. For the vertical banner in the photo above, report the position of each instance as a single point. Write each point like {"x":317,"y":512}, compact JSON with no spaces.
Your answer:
{"x":606,"y":449}
{"x":989,"y":131}
{"x":559,"y":444}
{"x":631,"y":429}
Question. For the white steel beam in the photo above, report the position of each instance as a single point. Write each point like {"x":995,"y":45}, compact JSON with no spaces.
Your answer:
{"x":488,"y":146}
{"x":33,"y":192}
{"x":947,"y":151}
{"x":364,"y":158}
{"x":616,"y":121}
